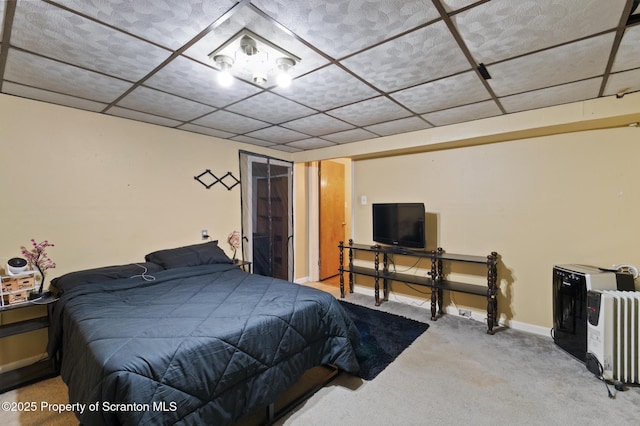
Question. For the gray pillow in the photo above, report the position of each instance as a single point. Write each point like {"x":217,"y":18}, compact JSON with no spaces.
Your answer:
{"x":193,"y":255}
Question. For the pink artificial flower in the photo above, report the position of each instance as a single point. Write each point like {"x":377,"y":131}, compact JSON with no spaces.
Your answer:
{"x":37,"y":257}
{"x":234,"y":240}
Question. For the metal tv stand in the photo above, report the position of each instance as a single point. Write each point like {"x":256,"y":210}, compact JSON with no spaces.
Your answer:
{"x":436,"y":279}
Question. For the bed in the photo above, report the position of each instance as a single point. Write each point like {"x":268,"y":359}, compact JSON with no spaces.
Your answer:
{"x":187,"y":337}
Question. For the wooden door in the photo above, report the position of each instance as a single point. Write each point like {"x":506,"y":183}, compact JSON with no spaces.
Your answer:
{"x":332,"y":216}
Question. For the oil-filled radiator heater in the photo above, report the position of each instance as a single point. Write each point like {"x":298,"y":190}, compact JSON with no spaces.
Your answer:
{"x":613,"y":333}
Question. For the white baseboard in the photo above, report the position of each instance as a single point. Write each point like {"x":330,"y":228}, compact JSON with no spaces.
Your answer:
{"x":302,"y":280}
{"x":476,"y":315}
{"x":22,"y":363}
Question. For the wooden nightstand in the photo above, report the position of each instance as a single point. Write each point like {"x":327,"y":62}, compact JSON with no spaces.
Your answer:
{"x":38,"y":319}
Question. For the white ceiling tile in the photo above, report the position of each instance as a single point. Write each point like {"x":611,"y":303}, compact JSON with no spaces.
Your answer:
{"x":192,"y":80}
{"x":464,"y":113}
{"x":402,"y":125}
{"x":453,"y":5}
{"x":253,"y":141}
{"x":420,"y":56}
{"x":39,"y":72}
{"x":206,"y":131}
{"x":169,"y":23}
{"x":230,"y":122}
{"x":460,"y":89}
{"x":327,"y":88}
{"x":501,"y":29}
{"x":571,"y":62}
{"x":270,"y":108}
{"x":369,"y":112}
{"x":313,"y":143}
{"x":277,"y":134}
{"x":56,"y":33}
{"x":142,"y":116}
{"x":163,"y":104}
{"x":626,"y":81}
{"x":51,"y":97}
{"x":317,"y":125}
{"x":2,"y":4}
{"x":347,"y":136}
{"x":342,"y":27}
{"x":562,"y":94}
{"x":285,"y":148}
{"x":628,"y":55}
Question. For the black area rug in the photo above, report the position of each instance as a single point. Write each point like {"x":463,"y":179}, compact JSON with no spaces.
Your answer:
{"x":383,"y":336}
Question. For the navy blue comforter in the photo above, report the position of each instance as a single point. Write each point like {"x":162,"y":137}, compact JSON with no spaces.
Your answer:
{"x":198,"y":345}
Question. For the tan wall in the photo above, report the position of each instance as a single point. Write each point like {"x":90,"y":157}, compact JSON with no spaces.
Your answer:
{"x":301,"y":221}
{"x":569,"y":198}
{"x":106,"y":190}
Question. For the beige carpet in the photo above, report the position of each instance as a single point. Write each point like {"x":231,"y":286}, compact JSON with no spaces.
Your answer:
{"x":36,"y":405}
{"x":454,"y":374}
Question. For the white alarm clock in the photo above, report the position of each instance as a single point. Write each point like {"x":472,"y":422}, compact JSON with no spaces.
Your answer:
{"x":16,"y":265}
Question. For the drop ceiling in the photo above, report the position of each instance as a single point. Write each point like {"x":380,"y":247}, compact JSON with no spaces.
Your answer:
{"x":368,"y":68}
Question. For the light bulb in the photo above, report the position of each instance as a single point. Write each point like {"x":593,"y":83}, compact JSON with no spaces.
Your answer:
{"x":259,"y":78}
{"x":225,"y":79}
{"x":283,"y":80}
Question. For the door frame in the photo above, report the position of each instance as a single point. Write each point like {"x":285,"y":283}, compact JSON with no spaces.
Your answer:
{"x":314,"y":212}
{"x":246,"y":205}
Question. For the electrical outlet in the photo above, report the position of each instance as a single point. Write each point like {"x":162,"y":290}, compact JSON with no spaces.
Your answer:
{"x":205,"y":234}
{"x":464,"y":313}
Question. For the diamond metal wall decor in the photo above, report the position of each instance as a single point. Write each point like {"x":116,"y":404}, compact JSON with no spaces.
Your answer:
{"x":208,"y":179}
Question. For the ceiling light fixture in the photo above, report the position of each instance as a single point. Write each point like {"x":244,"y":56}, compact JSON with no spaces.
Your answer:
{"x":248,"y":45}
{"x":247,"y":55}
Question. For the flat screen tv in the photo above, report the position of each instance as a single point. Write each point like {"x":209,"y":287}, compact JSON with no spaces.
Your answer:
{"x":399,"y":224}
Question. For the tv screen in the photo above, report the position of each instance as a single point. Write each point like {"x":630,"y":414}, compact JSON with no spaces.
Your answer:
{"x":399,"y":224}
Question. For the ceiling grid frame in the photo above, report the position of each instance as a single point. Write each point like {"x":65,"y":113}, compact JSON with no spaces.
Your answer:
{"x":365,"y":64}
